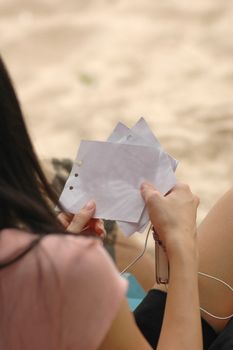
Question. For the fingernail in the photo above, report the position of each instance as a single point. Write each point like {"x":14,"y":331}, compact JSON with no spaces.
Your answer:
{"x":90,"y":205}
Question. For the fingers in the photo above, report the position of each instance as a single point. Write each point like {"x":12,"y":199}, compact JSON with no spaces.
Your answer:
{"x":97,"y":226}
{"x":81,"y":220}
{"x":149,"y":192}
{"x":100,"y":229}
{"x":65,"y":219}
{"x":154,"y":200}
{"x":185,"y":189}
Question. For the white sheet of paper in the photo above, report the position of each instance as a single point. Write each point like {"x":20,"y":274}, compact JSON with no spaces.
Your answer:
{"x":142,"y":128}
{"x":111,"y":173}
{"x":141,"y":134}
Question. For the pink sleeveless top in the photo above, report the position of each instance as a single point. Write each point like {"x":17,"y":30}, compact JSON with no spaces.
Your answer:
{"x":64,"y":294}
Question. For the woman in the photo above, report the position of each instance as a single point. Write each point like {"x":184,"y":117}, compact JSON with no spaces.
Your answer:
{"x":62,"y":291}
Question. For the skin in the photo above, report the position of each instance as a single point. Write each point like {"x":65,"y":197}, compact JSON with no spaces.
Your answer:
{"x":80,"y":222}
{"x":215,"y":249}
{"x":126,"y":249}
{"x":174,"y":217}
{"x":215,"y":245}
{"x":217,"y":261}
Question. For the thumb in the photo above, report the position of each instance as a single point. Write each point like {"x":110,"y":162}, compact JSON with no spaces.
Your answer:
{"x":65,"y":218}
{"x":150,"y":194}
{"x":154,"y":203}
{"x":81,"y":220}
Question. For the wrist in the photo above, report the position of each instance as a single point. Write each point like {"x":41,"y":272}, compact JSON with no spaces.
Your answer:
{"x":183,"y":265}
{"x":182,"y":250}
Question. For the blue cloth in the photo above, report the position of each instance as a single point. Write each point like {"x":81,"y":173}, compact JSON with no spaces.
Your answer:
{"x":135,"y":291}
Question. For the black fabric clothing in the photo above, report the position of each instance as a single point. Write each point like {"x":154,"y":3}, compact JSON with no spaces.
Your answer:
{"x":224,"y":340}
{"x":149,"y":318}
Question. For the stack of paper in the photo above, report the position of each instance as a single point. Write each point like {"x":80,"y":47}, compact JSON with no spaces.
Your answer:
{"x":111,"y":173}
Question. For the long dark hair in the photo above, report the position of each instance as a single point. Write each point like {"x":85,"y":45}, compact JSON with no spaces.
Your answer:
{"x":26,"y":198}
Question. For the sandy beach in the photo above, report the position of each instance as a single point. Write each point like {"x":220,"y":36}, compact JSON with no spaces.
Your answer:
{"x":80,"y":66}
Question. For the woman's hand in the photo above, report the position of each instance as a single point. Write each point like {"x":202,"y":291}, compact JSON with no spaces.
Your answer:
{"x":83,"y":222}
{"x":173,"y":216}
{"x":174,"y":219}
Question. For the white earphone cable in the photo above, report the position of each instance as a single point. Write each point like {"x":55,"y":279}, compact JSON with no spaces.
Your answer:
{"x":226,"y":285}
{"x":138,"y":257}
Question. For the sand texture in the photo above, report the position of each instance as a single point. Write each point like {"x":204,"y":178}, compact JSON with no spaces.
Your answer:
{"x":80,"y":66}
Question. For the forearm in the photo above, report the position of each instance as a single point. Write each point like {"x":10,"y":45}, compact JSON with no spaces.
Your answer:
{"x":182,"y":324}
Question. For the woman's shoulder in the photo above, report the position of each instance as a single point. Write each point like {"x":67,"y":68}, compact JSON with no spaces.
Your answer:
{"x":92,"y":289}
{"x":75,"y":276}
{"x":82,"y":262}
{"x":71,"y":257}
{"x":76,"y":253}
{"x":65,"y":248}
{"x":57,"y":246}
{"x":63,"y":251}
{"x":68,"y":285}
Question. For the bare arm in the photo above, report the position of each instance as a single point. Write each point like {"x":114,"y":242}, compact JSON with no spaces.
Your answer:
{"x":215,"y":240}
{"x":175,"y":220}
{"x":182,"y":324}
